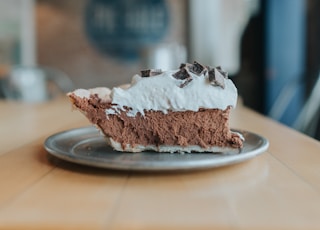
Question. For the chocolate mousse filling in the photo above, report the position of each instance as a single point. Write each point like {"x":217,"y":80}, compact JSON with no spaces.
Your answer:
{"x":205,"y":128}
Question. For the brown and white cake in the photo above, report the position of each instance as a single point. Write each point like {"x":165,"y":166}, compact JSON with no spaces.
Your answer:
{"x":184,"y":110}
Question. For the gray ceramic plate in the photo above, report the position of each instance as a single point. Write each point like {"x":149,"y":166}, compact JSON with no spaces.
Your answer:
{"x":86,"y":146}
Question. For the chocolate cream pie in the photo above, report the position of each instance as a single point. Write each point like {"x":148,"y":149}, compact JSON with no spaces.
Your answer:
{"x":184,"y":110}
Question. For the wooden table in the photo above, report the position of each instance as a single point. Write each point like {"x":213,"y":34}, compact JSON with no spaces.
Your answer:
{"x":279,"y":189}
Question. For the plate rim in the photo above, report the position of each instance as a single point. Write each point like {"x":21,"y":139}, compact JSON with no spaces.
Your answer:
{"x":201,"y":164}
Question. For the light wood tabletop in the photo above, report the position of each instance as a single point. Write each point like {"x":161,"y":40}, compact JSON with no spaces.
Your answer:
{"x":279,"y":189}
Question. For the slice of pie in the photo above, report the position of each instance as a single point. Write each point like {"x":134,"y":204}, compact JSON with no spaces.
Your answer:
{"x":184,"y":110}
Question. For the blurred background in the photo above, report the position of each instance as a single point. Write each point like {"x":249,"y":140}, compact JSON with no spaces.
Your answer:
{"x":269,"y":47}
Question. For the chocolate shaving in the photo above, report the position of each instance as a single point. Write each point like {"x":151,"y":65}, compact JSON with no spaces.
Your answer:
{"x":197,"y":68}
{"x":224,"y":73}
{"x":216,"y":78}
{"x":182,"y":65}
{"x":150,"y":72}
{"x":181,"y":74}
{"x":186,"y":82}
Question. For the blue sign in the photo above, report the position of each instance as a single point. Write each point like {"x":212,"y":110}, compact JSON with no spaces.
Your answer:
{"x":120,"y":28}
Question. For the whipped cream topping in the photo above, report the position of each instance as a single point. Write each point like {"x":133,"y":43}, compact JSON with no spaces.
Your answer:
{"x":163,"y":92}
{"x":167,"y":92}
{"x":102,"y":92}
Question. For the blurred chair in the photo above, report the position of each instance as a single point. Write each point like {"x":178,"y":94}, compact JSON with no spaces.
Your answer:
{"x":308,"y":120}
